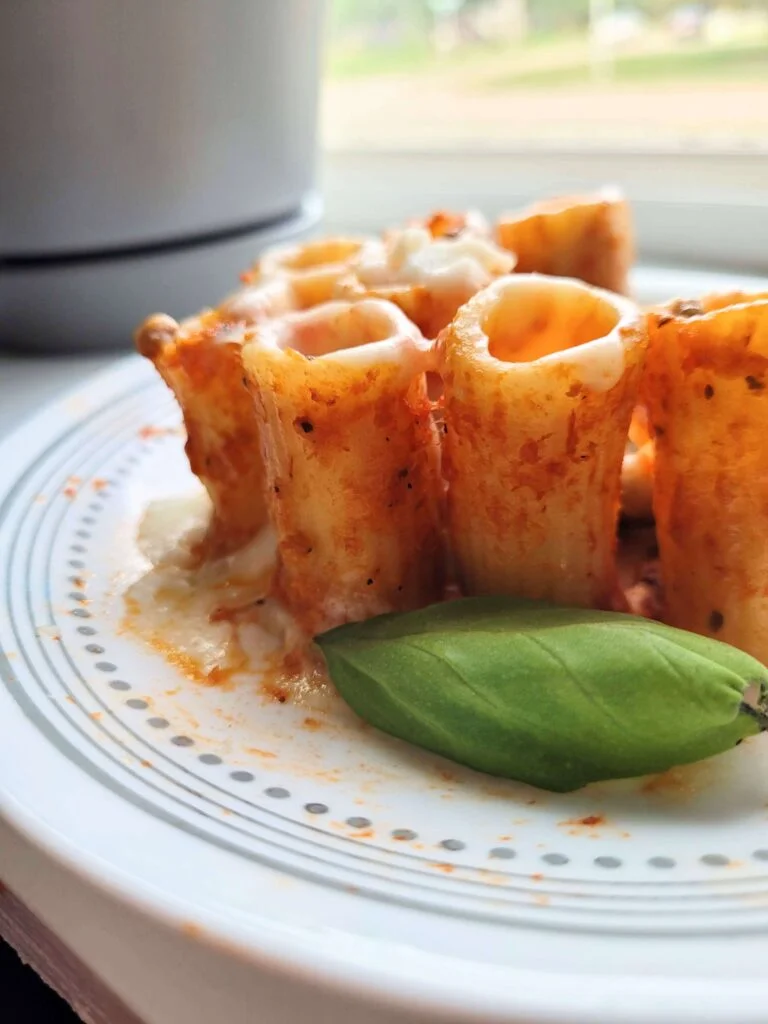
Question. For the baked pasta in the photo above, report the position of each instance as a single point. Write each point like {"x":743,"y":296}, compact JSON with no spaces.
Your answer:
{"x":706,"y":388}
{"x":588,"y":237}
{"x":540,"y":376}
{"x":383,"y":424}
{"x":351,"y":461}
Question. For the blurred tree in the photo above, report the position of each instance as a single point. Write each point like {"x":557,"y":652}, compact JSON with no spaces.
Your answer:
{"x":558,"y":15}
{"x":416,"y":13}
{"x":352,"y":13}
{"x":545,"y":15}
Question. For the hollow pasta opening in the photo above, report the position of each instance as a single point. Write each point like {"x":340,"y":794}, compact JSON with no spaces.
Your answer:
{"x":526,"y":324}
{"x":340,"y":326}
{"x":320,"y":253}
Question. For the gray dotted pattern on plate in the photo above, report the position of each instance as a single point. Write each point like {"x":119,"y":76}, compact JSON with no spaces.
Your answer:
{"x":453,"y":845}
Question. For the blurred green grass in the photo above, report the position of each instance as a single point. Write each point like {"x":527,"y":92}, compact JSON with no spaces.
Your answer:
{"x":547,"y":62}
{"x":735,"y":63}
{"x":347,"y":62}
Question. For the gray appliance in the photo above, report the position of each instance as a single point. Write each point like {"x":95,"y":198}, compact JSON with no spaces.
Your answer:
{"x":149,"y":149}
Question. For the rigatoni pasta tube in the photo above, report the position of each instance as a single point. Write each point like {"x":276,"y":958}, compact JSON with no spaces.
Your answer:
{"x":351,"y":457}
{"x":706,"y":387}
{"x":200,"y":360}
{"x":589,"y":237}
{"x":541,"y":375}
{"x":639,"y":460}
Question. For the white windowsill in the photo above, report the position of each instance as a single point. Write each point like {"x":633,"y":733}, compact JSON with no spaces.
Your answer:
{"x":693,"y":209}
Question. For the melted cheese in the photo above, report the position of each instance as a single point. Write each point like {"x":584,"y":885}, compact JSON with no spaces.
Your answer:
{"x":215,"y":622}
{"x":414,"y":257}
{"x":525,"y":323}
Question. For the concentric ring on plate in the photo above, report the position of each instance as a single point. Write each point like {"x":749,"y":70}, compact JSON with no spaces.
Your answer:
{"x":106,"y":442}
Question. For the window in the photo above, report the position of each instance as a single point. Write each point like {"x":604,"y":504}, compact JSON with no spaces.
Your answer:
{"x":498,"y":101}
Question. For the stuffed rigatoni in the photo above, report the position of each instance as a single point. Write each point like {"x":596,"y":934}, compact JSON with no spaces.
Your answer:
{"x":540,"y":376}
{"x":351,"y":459}
{"x":588,"y":237}
{"x":200,"y":360}
{"x":429,"y":279}
{"x":706,"y":387}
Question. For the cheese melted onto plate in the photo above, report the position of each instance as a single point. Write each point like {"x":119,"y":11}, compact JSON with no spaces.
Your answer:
{"x":216,"y":622}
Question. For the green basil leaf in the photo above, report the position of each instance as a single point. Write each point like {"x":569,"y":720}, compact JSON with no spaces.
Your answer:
{"x":556,"y":697}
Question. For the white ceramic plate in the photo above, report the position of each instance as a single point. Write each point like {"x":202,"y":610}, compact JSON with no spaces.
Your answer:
{"x":324,"y":849}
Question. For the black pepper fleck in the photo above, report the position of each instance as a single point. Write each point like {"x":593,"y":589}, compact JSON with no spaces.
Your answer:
{"x":369,"y":582}
{"x":306,"y":426}
{"x":409,"y":485}
{"x":754,"y":384}
{"x":716,"y":621}
{"x":276,"y":489}
{"x":402,"y":473}
{"x":708,"y":391}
